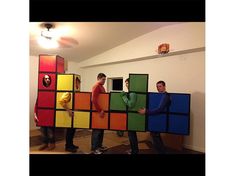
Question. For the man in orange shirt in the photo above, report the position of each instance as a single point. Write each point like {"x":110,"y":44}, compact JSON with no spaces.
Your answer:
{"x":98,"y":134}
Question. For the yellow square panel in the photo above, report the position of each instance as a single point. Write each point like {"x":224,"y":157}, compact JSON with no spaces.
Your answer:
{"x":63,"y":119}
{"x":60,"y":97}
{"x":81,"y":119}
{"x":65,"y":82}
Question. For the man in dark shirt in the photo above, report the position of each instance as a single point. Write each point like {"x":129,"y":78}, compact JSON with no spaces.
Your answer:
{"x":163,"y":106}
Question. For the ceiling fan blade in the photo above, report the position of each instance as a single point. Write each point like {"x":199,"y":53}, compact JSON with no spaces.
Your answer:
{"x":68,"y":40}
{"x":64,"y":45}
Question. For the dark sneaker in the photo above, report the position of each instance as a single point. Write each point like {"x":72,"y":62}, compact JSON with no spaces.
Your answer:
{"x":43,"y":147}
{"x":103,"y":148}
{"x":74,"y":146}
{"x":97,"y":152}
{"x":51,"y":146}
{"x":129,"y":152}
{"x":71,"y":149}
{"x":120,"y":133}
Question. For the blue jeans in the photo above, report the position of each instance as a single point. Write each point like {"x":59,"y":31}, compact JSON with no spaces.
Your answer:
{"x":157,"y":143}
{"x":69,"y":137}
{"x":48,"y":134}
{"x":96,"y":138}
{"x":133,"y":142}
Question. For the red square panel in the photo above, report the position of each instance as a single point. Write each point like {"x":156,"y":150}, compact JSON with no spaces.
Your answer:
{"x":42,"y":86}
{"x":118,"y":121}
{"x":60,"y":64}
{"x":99,"y":122}
{"x":103,"y":101}
{"x":82,"y":101}
{"x":47,"y":63}
{"x":46,"y":117}
{"x":46,"y":99}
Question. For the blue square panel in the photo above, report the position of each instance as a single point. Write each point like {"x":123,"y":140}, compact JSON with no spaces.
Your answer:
{"x":154,"y":100}
{"x":157,"y":123}
{"x":180,"y":103}
{"x":178,"y":124}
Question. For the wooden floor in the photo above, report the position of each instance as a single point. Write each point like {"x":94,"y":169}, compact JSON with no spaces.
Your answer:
{"x":116,"y":144}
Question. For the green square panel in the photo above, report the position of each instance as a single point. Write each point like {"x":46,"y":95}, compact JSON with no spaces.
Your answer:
{"x":138,"y":82}
{"x":140,"y":102}
{"x":116,"y":102}
{"x":136,"y":122}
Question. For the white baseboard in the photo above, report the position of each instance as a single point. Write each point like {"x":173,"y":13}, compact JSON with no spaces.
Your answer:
{"x":195,"y":148}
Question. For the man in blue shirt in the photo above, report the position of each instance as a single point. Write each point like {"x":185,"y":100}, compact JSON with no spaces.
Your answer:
{"x":163,"y":107}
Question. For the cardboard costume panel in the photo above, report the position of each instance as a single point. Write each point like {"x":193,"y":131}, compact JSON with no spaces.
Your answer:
{"x":116,"y":102}
{"x":47,"y":63}
{"x":156,"y":123}
{"x":46,"y":99}
{"x":59,"y":98}
{"x":43,"y":84}
{"x":138,"y":83}
{"x":53,"y":84}
{"x":118,"y":121}
{"x":103,"y":101}
{"x":81,"y":119}
{"x":98,"y":122}
{"x":136,"y":122}
{"x":46,"y":117}
{"x":60,"y":64}
{"x":180,"y":103}
{"x":140,"y":102}
{"x":65,"y":82}
{"x":51,"y":63}
{"x":63,"y":119}
{"x":179,"y":124}
{"x":82,"y":101}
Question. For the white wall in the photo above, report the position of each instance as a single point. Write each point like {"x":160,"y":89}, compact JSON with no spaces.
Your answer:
{"x":33,"y":86}
{"x":180,"y":37}
{"x":183,"y":73}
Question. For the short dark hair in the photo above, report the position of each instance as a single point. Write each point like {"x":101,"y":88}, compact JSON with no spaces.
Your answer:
{"x":127,"y":80}
{"x":101,"y":75}
{"x":161,"y":82}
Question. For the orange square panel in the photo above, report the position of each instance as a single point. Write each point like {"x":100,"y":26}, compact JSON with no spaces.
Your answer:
{"x":103,"y":101}
{"x":98,"y":122}
{"x":118,"y":121}
{"x":82,"y":101}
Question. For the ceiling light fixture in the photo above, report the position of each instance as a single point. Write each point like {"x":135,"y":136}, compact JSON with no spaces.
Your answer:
{"x":48,"y":39}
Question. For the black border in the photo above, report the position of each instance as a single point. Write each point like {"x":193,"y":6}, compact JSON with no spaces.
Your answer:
{"x":117,"y":10}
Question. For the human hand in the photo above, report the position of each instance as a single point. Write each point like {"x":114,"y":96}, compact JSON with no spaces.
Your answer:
{"x":36,"y":118}
{"x":70,"y":113}
{"x":142,"y":111}
{"x":102,"y":114}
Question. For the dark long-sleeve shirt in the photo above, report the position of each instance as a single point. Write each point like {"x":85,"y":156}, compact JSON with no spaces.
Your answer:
{"x":129,"y":100}
{"x":96,"y":90}
{"x":164,"y":104}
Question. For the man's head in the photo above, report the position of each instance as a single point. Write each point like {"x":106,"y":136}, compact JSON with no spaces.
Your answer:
{"x":161,"y":86}
{"x":127,"y":83}
{"x":101,"y":78}
{"x":46,"y":80}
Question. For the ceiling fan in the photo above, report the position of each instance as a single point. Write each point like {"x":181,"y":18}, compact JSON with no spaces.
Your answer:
{"x":50,"y":37}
